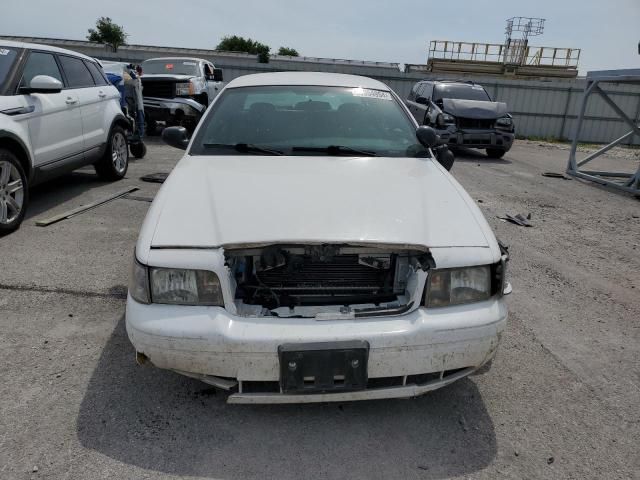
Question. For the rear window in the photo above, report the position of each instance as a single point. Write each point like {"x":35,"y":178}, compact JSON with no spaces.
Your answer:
{"x":460,"y":92}
{"x":8,"y":57}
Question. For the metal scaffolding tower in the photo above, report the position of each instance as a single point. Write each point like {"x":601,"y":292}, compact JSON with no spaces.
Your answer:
{"x":516,"y":45}
{"x":629,"y":182}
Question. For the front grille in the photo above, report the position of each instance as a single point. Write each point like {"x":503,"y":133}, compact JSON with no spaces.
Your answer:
{"x":342,"y":275}
{"x":475,"y":123}
{"x":158,"y":88}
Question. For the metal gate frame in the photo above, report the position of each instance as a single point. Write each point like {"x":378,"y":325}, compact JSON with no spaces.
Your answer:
{"x":628,"y":182}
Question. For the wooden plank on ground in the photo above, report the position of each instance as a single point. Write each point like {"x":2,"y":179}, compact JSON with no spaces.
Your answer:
{"x":84,"y":208}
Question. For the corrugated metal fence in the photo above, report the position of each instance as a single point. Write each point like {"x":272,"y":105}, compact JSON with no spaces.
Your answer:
{"x":546,"y":109}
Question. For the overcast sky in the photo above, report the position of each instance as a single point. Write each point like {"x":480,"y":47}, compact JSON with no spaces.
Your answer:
{"x":607,"y":31}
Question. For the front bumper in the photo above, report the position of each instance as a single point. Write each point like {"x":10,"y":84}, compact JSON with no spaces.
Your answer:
{"x":209,"y":343}
{"x":173,"y":110}
{"x":496,"y":139}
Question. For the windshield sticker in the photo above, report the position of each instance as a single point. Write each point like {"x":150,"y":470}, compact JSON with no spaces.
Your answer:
{"x":169,"y":66}
{"x":189,"y":63}
{"x":370,"y":93}
{"x":4,"y":51}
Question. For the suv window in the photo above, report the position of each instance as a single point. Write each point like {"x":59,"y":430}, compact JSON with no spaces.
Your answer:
{"x":40,"y":63}
{"x":459,"y":91}
{"x":427,"y":90}
{"x":78,"y":75}
{"x":8,"y":57}
{"x":414,"y":91}
{"x":96,"y":73}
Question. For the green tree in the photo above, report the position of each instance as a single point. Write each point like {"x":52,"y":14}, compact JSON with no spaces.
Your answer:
{"x":235,"y":43}
{"x":291,"y":52}
{"x":108,"y":33}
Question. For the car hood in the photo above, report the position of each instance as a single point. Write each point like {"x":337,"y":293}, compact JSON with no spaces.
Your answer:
{"x":164,"y":76}
{"x":474,"y":108}
{"x":212,"y":201}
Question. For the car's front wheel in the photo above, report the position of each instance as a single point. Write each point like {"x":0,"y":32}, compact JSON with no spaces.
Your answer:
{"x":495,"y":153}
{"x":115,"y":161}
{"x":14,"y":193}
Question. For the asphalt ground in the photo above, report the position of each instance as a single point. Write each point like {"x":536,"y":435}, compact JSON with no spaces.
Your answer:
{"x":561,"y":400}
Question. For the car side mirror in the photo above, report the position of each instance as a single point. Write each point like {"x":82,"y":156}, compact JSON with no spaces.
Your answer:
{"x":422,"y":100}
{"x":427,"y":136}
{"x":43,"y":84}
{"x":176,"y":137}
{"x":217,"y":75}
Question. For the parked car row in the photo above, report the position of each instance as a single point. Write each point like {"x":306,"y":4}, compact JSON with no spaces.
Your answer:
{"x":331,"y":255}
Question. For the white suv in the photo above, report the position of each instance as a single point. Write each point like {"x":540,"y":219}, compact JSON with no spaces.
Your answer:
{"x":58,"y":112}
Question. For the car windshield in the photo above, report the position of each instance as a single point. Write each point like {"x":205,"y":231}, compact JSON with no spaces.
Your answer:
{"x":170,"y":66}
{"x":307,"y":120}
{"x":8,"y":57}
{"x":460,"y":92}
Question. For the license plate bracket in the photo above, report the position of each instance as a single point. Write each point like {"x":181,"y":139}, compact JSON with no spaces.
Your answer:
{"x":323,"y":367}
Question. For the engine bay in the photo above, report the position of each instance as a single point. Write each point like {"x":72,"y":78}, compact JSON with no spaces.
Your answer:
{"x":329,"y":280}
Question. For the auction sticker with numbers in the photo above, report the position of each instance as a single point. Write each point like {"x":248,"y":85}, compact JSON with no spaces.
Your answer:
{"x":370,"y":93}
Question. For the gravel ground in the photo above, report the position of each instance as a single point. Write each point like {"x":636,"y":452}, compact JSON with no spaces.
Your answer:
{"x":561,"y":400}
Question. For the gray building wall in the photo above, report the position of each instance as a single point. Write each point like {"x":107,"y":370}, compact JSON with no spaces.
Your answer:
{"x":540,"y":108}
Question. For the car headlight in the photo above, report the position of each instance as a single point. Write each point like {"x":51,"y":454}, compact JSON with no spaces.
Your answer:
{"x":504,"y":122}
{"x":175,"y":286}
{"x":184,"y":89}
{"x":458,"y":286}
{"x":444,"y":119}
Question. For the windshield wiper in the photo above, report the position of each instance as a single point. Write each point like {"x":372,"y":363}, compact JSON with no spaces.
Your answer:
{"x":335,"y":150}
{"x":244,"y":148}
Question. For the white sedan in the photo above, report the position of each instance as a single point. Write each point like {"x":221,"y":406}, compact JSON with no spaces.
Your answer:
{"x":309,"y":247}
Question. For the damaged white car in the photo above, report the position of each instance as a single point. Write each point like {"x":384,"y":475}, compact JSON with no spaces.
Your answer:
{"x":310,"y":248}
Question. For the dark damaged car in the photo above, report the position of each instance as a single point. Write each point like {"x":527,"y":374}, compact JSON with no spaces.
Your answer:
{"x":463,"y":114}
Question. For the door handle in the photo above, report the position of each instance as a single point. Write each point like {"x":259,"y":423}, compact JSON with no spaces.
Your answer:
{"x":71,"y":101}
{"x":101,"y":94}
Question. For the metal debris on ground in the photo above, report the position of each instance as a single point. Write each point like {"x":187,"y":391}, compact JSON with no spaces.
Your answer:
{"x":159,"y":177}
{"x":84,"y":208}
{"x":556,"y":175}
{"x":518,"y":219}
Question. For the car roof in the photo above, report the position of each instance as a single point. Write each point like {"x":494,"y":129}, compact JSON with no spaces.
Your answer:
{"x":307,"y":78}
{"x":189,"y":59}
{"x":47,"y":48}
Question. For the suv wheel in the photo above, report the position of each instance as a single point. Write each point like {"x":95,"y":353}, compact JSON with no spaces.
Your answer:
{"x":115,"y":161}
{"x":14,"y":193}
{"x":495,"y":153}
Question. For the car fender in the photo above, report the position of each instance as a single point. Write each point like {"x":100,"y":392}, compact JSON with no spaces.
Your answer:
{"x":15,"y":142}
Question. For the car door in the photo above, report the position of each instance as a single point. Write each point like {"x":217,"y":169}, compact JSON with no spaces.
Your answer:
{"x":90,"y":96}
{"x":420,"y":109}
{"x":428,"y":111}
{"x":54,"y":123}
{"x":213,"y":86}
{"x":411,"y":100}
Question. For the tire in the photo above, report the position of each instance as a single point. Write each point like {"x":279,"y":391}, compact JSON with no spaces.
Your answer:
{"x":495,"y":153}
{"x":138,"y":150}
{"x":14,"y":192}
{"x":114,"y":163}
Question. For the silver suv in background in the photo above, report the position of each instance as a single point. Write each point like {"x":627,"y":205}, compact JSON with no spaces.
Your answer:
{"x":463,"y":114}
{"x":177,"y":91}
{"x":58,"y":113}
